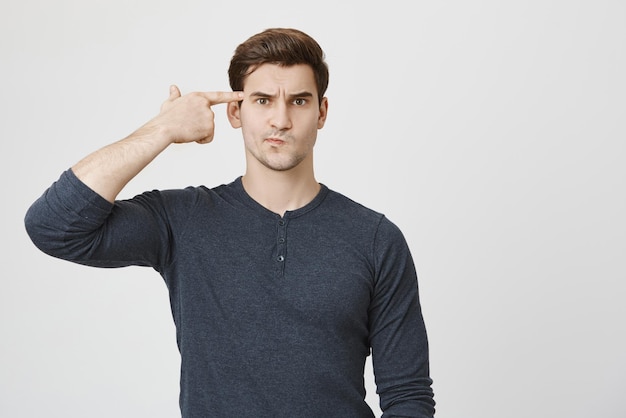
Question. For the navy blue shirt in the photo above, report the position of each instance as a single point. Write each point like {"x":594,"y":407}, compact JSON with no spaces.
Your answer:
{"x":274,"y":316}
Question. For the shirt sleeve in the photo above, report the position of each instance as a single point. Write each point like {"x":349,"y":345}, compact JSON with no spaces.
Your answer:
{"x":397,"y":331}
{"x":72,"y":222}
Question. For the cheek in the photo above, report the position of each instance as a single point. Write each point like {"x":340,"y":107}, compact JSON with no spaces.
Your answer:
{"x":251,"y":122}
{"x":314,"y":126}
{"x":250,"y":133}
{"x":246,"y":126}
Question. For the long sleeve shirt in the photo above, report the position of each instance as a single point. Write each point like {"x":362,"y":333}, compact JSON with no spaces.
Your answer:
{"x":275,"y":316}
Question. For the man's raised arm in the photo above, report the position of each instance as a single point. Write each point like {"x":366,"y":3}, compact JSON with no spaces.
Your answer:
{"x":182,"y":119}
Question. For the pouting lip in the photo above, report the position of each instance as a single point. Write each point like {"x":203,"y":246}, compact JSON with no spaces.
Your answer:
{"x":276,"y":141}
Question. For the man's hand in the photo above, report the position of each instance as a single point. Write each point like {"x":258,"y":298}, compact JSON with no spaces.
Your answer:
{"x":189,"y":118}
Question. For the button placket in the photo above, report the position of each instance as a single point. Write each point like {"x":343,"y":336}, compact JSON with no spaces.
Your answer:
{"x":281,"y":246}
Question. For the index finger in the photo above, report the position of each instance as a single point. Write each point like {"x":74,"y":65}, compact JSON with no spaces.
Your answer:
{"x":216,"y":97}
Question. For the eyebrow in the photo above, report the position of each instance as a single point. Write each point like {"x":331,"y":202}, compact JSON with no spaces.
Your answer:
{"x":291,"y":96}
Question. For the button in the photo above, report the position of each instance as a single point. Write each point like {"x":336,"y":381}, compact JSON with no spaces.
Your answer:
{"x":280,"y":258}
{"x":281,"y":240}
{"x":281,"y":222}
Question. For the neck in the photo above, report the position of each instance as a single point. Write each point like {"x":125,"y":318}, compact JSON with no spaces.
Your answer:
{"x":281,"y":191}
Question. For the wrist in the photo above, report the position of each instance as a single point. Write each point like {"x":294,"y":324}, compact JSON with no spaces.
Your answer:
{"x":154,"y":133}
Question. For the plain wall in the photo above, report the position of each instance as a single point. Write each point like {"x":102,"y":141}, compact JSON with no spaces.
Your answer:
{"x":492,"y":133}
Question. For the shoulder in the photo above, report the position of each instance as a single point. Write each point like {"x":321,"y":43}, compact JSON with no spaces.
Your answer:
{"x":359,"y":216}
{"x":347,"y":207}
{"x":183,"y":200}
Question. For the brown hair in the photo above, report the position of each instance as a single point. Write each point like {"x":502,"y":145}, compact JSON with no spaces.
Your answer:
{"x":285,"y":47}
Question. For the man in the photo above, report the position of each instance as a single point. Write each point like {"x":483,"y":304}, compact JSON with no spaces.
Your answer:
{"x":279,"y":287}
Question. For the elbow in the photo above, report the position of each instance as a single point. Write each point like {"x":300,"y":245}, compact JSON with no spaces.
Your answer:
{"x":40,"y":232}
{"x":52,"y":234}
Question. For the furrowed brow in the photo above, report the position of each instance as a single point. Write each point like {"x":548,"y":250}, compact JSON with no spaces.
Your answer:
{"x":261,"y":94}
{"x":302,"y":94}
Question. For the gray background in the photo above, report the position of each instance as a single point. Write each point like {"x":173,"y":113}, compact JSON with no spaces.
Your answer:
{"x":493,"y":133}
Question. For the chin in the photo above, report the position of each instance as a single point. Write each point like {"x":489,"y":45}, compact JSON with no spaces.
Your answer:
{"x":282,"y":165}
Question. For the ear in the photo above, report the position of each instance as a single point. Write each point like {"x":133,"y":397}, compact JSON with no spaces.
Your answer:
{"x":323,"y":113}
{"x":233,"y":112}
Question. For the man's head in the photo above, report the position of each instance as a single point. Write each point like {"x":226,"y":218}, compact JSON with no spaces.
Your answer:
{"x":283,"y":47}
{"x":283,"y":76}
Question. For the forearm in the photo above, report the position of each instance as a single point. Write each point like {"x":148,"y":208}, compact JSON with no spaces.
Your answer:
{"x":107,"y":170}
{"x":182,"y":119}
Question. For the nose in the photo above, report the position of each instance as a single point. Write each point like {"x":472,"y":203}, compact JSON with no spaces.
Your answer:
{"x":280,"y":118}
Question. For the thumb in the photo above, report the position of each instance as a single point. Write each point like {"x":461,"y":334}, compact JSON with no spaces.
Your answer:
{"x":174,"y":93}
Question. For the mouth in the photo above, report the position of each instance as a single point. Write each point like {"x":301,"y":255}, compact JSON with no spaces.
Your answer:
{"x":274,"y":141}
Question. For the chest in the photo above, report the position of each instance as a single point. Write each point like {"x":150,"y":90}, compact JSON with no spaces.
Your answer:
{"x":282,"y":274}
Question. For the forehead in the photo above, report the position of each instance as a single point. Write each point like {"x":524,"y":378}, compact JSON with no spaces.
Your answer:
{"x":272,"y":78}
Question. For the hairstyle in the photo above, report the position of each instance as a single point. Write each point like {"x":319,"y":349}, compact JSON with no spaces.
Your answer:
{"x":281,"y":46}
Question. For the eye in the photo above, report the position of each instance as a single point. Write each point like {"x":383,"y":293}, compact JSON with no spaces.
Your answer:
{"x":300,"y":102}
{"x":262,"y":100}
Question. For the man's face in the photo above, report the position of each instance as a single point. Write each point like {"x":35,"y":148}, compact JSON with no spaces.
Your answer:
{"x":279,"y":116}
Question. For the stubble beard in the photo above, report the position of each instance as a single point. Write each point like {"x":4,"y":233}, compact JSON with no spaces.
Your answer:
{"x":281,"y":162}
{"x":276,"y":158}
